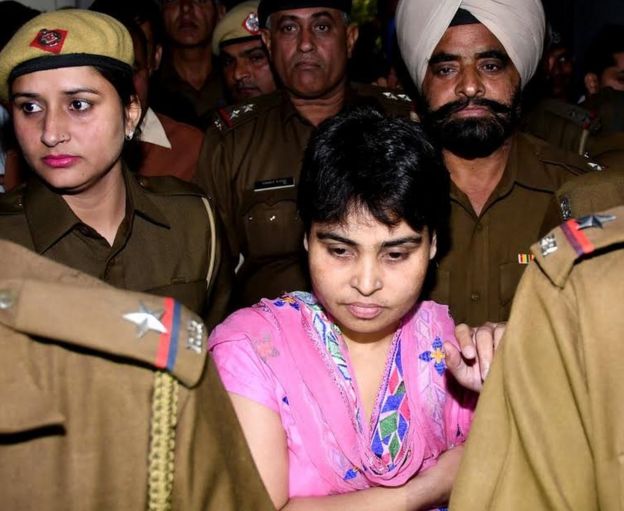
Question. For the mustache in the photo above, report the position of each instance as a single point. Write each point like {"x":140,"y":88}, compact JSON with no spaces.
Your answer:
{"x":457,"y":106}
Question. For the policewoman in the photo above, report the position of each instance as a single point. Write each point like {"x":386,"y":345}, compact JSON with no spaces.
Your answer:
{"x":67,"y":77}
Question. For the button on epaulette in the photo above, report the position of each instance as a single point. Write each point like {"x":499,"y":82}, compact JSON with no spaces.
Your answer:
{"x":557,"y":252}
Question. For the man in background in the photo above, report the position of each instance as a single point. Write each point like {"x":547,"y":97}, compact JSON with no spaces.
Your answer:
{"x":244,"y":59}
{"x":187,"y":85}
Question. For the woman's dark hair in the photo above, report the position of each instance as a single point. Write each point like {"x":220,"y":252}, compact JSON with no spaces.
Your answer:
{"x":121,"y":80}
{"x":387,"y":166}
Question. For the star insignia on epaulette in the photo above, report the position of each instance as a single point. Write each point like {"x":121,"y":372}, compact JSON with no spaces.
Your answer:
{"x":234,"y":113}
{"x":247,"y":108}
{"x":404,"y":97}
{"x":589,"y":221}
{"x":146,"y":319}
{"x":389,"y":95}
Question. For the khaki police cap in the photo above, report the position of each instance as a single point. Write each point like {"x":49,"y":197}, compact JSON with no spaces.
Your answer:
{"x":238,"y":25}
{"x":65,"y":38}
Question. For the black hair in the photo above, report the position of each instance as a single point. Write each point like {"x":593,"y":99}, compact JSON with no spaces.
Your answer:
{"x":121,"y":80}
{"x":601,"y":51}
{"x":386,"y":166}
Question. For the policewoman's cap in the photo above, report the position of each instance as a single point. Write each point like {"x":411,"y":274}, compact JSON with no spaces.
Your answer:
{"x":268,"y":7}
{"x":239,"y":24}
{"x":65,"y":38}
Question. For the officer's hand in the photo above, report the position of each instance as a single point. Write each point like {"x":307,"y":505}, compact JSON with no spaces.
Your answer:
{"x":471,"y":363}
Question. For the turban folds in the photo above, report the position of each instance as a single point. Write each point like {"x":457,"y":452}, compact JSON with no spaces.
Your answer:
{"x":518,"y":24}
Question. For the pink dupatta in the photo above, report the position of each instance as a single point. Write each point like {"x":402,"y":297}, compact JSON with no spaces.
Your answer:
{"x":418,"y":415}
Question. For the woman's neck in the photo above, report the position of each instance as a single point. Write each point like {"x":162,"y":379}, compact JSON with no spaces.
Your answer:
{"x":103,"y":205}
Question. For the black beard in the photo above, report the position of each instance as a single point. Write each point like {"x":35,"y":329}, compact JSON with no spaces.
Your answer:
{"x":475,"y":137}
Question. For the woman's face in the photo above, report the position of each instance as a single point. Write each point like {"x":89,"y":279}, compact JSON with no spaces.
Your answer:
{"x":368,"y":275}
{"x":70,"y":125}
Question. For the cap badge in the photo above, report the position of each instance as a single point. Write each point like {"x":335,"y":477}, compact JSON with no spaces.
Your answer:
{"x":251,"y":23}
{"x":50,"y":40}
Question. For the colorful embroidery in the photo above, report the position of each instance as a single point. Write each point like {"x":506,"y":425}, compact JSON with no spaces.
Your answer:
{"x":436,"y":356}
{"x":351,"y":474}
{"x":394,"y":415}
{"x":287,"y":299}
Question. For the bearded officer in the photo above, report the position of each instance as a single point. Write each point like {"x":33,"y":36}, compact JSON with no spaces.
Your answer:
{"x":251,"y":157}
{"x":109,"y":400}
{"x":470,"y":60}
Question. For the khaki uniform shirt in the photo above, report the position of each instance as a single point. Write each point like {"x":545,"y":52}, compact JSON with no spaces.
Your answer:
{"x":548,"y":432}
{"x":163,"y":246}
{"x":250,"y":165}
{"x":489,"y":252}
{"x":109,"y":400}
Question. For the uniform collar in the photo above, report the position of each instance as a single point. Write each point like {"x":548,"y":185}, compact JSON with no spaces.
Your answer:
{"x":48,"y":215}
{"x":527,"y":165}
{"x":139,"y":201}
{"x":289,"y":111}
{"x":50,"y":218}
{"x":152,"y":130}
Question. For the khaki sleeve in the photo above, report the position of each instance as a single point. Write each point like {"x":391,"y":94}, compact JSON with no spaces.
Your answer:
{"x":214,"y":176}
{"x":528,"y":447}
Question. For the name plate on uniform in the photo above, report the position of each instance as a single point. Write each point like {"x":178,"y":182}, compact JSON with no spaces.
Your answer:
{"x":274,"y":184}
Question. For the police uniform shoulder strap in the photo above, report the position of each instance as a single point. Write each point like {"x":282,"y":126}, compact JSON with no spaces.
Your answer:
{"x":391,"y":101}
{"x":229,"y":117}
{"x":147,"y":330}
{"x":574,"y":114}
{"x":590,"y":192}
{"x":557,"y":252}
{"x":553,"y":155}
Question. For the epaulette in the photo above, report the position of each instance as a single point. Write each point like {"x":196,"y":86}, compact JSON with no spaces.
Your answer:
{"x":12,"y":202}
{"x":577,"y":115}
{"x":392,"y":101}
{"x":230,"y":116}
{"x":587,"y":193}
{"x":169,"y":185}
{"x":558,"y":251}
{"x":146,"y":330}
{"x":555,"y":155}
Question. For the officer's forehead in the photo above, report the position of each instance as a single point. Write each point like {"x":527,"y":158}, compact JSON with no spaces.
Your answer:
{"x":307,"y":13}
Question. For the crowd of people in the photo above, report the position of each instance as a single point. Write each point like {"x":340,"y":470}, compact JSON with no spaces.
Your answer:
{"x":235,"y":278}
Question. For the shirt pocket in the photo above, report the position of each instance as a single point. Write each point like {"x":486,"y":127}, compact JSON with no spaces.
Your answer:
{"x":271,"y":222}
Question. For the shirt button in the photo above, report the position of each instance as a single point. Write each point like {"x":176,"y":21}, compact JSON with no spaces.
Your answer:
{"x":475,"y":297}
{"x":479,"y":227}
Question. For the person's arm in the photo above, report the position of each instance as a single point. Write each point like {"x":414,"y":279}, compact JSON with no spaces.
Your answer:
{"x":266,"y":437}
{"x":214,"y":176}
